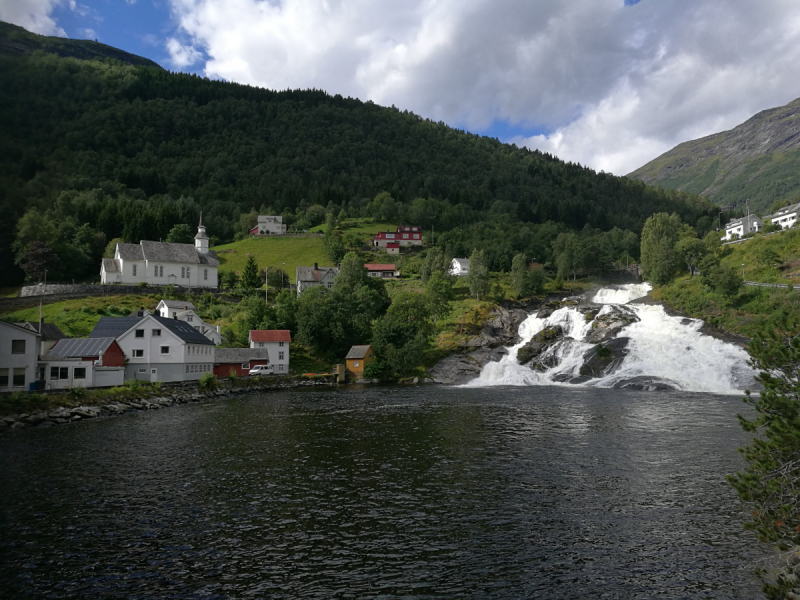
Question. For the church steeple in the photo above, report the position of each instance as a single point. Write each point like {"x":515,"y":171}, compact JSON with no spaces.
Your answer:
{"x":201,"y":239}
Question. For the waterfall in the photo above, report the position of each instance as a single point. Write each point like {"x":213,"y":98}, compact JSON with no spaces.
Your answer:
{"x":654,"y":350}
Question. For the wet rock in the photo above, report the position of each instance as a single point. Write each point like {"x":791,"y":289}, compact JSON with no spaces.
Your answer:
{"x":46,"y":424}
{"x":609,"y":324}
{"x":645,"y":384}
{"x":604,"y":359}
{"x":538,"y":344}
{"x":461,"y":368}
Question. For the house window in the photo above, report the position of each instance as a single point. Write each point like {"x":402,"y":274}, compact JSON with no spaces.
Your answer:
{"x":205,"y":274}
{"x":260,"y":344}
{"x":134,"y":270}
{"x":187,"y":368}
{"x":79,"y":373}
{"x":280,"y":355}
{"x":246,"y":366}
{"x":355,"y":364}
{"x":138,"y":353}
{"x":190,"y":318}
{"x":63,"y":372}
{"x":405,"y":236}
{"x":330,"y":284}
{"x":156,"y":333}
{"x":161,"y":271}
{"x":183,"y":272}
{"x":3,"y":377}
{"x":53,"y":373}
{"x":281,"y":368}
{"x":19,"y":378}
{"x":142,"y":370}
{"x":17,"y":346}
{"x":280,"y":344}
{"x":155,"y":270}
{"x":164,"y":349}
{"x":140,"y":333}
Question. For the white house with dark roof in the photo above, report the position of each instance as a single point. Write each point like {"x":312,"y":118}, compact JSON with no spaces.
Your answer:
{"x":159,"y":349}
{"x":49,"y":334}
{"x":786,"y":217}
{"x":19,"y":352}
{"x":315,"y":276}
{"x":183,"y":310}
{"x":83,"y":362}
{"x":163,"y":263}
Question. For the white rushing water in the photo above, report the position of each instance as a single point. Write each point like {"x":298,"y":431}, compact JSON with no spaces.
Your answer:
{"x":662,"y":350}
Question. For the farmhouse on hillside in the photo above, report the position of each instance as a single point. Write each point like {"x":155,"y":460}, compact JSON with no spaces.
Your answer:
{"x":741,"y":227}
{"x":308,"y":277}
{"x":163,"y":263}
{"x":384,"y":271}
{"x":269,"y":225}
{"x":405,"y":235}
{"x":785,"y":217}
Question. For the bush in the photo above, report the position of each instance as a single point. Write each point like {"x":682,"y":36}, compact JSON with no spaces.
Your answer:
{"x":77,"y":393}
{"x":207,"y":382}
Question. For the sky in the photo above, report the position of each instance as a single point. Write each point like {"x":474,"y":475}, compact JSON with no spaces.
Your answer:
{"x":610,"y":84}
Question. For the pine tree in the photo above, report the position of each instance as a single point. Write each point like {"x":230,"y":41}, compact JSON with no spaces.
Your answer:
{"x":250,"y":278}
{"x":478,"y":277}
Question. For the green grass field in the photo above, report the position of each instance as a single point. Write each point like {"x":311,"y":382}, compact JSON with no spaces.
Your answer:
{"x":77,"y":317}
{"x":785,"y":244}
{"x":368,"y":227}
{"x":284,"y":252}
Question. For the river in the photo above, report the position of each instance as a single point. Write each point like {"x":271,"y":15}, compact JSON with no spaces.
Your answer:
{"x":384,"y":492}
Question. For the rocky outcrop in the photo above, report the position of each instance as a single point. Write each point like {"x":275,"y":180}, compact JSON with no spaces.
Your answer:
{"x":501,"y":329}
{"x":457,"y":369}
{"x":533,"y":350}
{"x":609,"y":324}
{"x":605,"y":358}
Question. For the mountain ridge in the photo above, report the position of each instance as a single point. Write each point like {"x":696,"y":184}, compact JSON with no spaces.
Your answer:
{"x":758,"y":160}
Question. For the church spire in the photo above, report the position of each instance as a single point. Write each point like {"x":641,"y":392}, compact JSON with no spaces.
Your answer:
{"x":201,"y":239}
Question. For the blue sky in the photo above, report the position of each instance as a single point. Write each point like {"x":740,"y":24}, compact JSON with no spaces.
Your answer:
{"x":606,"y":83}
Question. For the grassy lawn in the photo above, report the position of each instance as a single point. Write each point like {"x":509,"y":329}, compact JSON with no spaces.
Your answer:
{"x":366,"y":226}
{"x":9,"y":292}
{"x":786,"y":245}
{"x":77,"y":317}
{"x":285,"y":252}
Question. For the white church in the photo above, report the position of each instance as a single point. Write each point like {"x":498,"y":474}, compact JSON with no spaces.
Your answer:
{"x":163,"y":263}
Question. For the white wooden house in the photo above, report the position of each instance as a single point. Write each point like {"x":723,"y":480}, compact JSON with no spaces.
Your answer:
{"x":740,"y":227}
{"x":269,"y":225}
{"x":315,"y":276}
{"x":276,"y":342}
{"x":163,"y":263}
{"x":459,"y":267}
{"x":785,"y":217}
{"x":19,"y":352}
{"x":159,"y":349}
{"x":185,"y":311}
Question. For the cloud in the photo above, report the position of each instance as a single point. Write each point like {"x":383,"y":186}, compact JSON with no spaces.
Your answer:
{"x":33,"y":15}
{"x":182,"y":55}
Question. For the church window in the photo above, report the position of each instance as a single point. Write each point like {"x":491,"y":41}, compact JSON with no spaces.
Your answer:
{"x":134,"y":270}
{"x":205,"y":274}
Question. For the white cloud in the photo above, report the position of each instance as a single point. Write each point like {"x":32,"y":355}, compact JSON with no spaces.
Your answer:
{"x":33,"y":15}
{"x":182,"y":55}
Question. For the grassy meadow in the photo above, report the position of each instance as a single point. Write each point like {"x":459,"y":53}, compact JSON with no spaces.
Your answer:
{"x":280,"y":251}
{"x":785,"y":244}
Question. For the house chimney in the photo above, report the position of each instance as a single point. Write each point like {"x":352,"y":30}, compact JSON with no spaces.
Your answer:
{"x":316,"y":267}
{"x":100,"y":357}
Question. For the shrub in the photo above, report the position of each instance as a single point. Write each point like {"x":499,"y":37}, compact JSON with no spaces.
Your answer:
{"x":134,"y":384}
{"x":207,"y":382}
{"x":77,"y":393}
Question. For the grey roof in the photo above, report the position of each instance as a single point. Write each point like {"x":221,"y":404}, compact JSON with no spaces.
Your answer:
{"x":81,"y":347}
{"x":740,"y":220}
{"x":464,"y":262}
{"x":170,"y":252}
{"x":111,"y":265}
{"x":357,"y":352}
{"x":270,"y":219}
{"x":130,"y":251}
{"x":180,"y":304}
{"x":50,"y":331}
{"x":782,"y":212}
{"x":209,"y":258}
{"x":312,"y":274}
{"x":20,"y":328}
{"x":239,"y":355}
{"x":113,"y":326}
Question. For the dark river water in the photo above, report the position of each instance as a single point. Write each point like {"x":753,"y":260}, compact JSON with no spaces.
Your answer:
{"x":536,"y":492}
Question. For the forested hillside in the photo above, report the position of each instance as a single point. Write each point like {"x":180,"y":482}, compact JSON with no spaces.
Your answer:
{"x":105,"y":149}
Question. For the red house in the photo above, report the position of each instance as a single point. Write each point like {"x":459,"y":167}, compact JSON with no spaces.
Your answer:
{"x":405,"y":235}
{"x":238,"y":360}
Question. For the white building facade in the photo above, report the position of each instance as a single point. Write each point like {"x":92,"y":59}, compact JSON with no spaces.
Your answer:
{"x":459,"y":267}
{"x":269,"y":225}
{"x":276,"y":342}
{"x":19,"y":352}
{"x":740,"y":227}
{"x":308,"y":277}
{"x":785,"y":217}
{"x":163,"y":263}
{"x":186,"y":312}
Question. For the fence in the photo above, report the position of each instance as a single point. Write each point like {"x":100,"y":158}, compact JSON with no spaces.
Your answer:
{"x":769,"y":285}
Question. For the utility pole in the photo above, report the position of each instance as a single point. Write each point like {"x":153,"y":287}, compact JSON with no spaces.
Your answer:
{"x":266,"y":285}
{"x":742,"y":272}
{"x":283,"y":272}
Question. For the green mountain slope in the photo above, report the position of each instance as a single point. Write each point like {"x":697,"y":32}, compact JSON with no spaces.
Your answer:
{"x":759,"y":160}
{"x":131,"y":151}
{"x":16,"y":41}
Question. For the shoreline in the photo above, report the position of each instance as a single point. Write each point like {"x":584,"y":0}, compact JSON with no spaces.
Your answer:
{"x":149,"y":399}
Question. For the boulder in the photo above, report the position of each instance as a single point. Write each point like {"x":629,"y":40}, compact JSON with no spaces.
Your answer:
{"x":608,"y":325}
{"x":538,"y":344}
{"x":604,"y":359}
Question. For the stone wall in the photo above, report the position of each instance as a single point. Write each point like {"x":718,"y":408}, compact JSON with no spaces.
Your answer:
{"x":79,"y":289}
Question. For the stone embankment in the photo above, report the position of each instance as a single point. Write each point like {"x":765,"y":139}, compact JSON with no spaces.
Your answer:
{"x":164,"y":399}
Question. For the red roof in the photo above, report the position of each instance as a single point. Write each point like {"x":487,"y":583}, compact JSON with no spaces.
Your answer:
{"x":270,"y":335}
{"x":254,"y":229}
{"x":374,"y":267}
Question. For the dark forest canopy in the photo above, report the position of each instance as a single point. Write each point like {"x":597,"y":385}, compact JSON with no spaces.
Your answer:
{"x":132,"y":151}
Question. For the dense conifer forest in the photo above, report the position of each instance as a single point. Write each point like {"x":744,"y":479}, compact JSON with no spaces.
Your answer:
{"x":104,"y":149}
